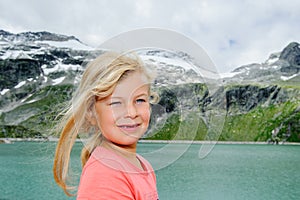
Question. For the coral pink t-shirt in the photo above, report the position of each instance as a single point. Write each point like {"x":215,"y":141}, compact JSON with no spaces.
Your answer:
{"x":107,"y":175}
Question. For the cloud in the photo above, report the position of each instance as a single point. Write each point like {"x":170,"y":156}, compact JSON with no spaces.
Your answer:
{"x":233,"y":32}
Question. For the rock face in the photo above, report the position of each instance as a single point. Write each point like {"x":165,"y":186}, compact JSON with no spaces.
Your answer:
{"x":248,"y":97}
{"x":291,"y":54}
{"x":14,"y":71}
{"x":39,"y":71}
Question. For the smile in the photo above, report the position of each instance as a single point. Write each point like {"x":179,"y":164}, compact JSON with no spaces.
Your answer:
{"x":129,"y":127}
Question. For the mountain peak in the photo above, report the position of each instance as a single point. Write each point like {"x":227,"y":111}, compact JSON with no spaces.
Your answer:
{"x":291,"y":53}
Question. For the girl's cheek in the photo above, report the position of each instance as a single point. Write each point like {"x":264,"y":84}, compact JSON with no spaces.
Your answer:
{"x":146,"y":114}
{"x":117,"y":113}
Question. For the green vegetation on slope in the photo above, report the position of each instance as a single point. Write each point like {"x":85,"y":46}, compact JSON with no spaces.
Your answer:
{"x":38,"y":114}
{"x":258,"y":124}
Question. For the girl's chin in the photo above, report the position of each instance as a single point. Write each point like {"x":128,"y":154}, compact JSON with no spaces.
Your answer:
{"x":127,"y":141}
{"x":124,"y":138}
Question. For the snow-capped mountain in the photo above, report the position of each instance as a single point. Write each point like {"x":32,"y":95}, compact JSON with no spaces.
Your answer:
{"x":50,"y":58}
{"x":35,"y":60}
{"x":39,"y":71}
{"x":36,"y":55}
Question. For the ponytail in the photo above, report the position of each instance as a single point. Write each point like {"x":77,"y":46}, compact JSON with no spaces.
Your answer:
{"x":62,"y":155}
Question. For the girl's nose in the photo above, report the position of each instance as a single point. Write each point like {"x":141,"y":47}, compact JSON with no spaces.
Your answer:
{"x":131,"y":111}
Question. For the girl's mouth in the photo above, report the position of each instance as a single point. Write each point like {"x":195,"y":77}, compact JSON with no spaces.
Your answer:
{"x":129,"y":127}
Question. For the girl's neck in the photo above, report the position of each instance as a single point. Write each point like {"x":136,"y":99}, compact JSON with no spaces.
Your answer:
{"x":127,"y":151}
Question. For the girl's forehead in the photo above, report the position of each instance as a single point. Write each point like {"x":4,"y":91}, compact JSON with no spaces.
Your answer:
{"x":135,"y":82}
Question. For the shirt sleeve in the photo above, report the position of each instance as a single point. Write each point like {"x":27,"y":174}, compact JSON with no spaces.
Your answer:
{"x":101,"y":182}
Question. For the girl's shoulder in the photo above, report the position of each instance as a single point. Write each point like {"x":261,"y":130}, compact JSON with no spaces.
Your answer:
{"x":104,"y":159}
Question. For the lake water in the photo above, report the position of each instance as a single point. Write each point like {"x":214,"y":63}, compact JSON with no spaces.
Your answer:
{"x":228,"y":172}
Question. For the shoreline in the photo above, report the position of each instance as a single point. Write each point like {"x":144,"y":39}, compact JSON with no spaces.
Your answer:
{"x":214,"y":142}
{"x":52,"y":139}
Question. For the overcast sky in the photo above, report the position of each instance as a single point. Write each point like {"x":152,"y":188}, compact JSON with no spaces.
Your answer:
{"x":232,"y":32}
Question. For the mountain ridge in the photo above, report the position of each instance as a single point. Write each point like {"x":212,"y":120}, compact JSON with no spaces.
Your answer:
{"x":34,"y":36}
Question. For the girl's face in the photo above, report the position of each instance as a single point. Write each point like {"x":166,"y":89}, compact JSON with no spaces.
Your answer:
{"x":123,"y":117}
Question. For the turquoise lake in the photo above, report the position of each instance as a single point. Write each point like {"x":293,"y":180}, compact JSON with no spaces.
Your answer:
{"x":230,"y":171}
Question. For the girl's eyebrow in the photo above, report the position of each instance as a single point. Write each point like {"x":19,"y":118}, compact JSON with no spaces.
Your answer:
{"x":142,"y":94}
{"x":116,"y":97}
{"x":135,"y":96}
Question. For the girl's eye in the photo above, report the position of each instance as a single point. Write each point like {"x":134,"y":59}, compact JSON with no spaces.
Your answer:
{"x":115,"y":103}
{"x":140,"y":100}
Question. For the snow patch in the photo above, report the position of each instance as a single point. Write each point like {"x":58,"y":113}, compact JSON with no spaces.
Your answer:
{"x":11,"y":54}
{"x":275,"y":66}
{"x":23,"y":55}
{"x":20,"y":84}
{"x":27,"y":98}
{"x":170,"y":61}
{"x":45,"y":79}
{"x":60,"y":67}
{"x":58,"y":80}
{"x":4,"y":91}
{"x":229,"y":74}
{"x":285,"y":78}
{"x":176,"y":62}
{"x":31,"y":101}
{"x":72,"y":44}
{"x":272,"y":60}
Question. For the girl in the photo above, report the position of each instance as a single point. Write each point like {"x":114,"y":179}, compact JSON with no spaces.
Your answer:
{"x":112,"y":106}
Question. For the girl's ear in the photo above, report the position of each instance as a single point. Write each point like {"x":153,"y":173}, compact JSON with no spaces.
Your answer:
{"x":91,"y":117}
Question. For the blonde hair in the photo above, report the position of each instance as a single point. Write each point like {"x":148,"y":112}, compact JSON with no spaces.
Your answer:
{"x":99,"y":80}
